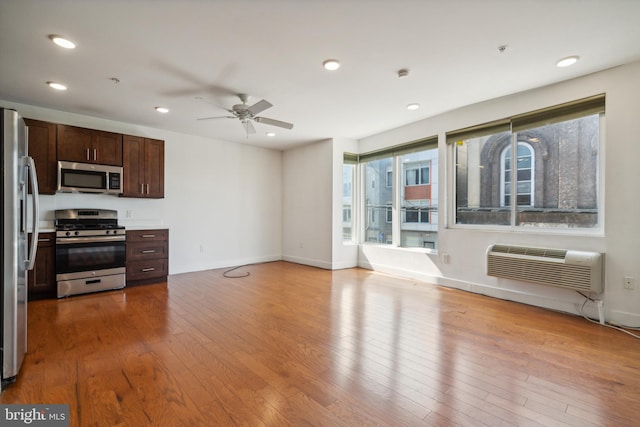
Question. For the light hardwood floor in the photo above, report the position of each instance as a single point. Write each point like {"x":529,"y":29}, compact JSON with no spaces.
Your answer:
{"x":295,"y":345}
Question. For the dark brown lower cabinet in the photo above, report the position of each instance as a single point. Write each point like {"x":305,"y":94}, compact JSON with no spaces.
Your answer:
{"x":41,"y":281}
{"x":147,"y":256}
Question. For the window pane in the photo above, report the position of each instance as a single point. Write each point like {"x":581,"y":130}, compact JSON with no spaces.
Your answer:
{"x":419,"y":200}
{"x":378,"y":198}
{"x":424,"y":175}
{"x":481,"y":185}
{"x":411,"y":216}
{"x":348,"y":172}
{"x":412,"y":176}
{"x":524,"y":175}
{"x":524,"y":187}
{"x":564,"y":192}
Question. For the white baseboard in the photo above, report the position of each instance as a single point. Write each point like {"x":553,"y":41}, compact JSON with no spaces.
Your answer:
{"x":570,"y":304}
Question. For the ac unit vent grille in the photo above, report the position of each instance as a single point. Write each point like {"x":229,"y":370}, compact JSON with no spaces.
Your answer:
{"x":521,"y":250}
{"x":575,"y":270}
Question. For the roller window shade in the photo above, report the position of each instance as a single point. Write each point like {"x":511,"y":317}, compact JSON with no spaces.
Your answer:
{"x":546,"y":116}
{"x":559,"y":113}
{"x":491,"y":128}
{"x":399,"y":150}
{"x":350,"y":159}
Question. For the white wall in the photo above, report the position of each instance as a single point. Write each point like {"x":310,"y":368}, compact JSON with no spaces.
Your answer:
{"x":466,"y":248}
{"x":344,"y":255}
{"x":223,"y":197}
{"x":243,"y":204}
{"x":308,"y":204}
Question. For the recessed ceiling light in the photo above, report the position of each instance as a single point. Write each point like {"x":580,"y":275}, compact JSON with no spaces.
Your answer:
{"x":57,"y":86}
{"x":62,"y":42}
{"x":331,"y":64}
{"x":162,"y":110}
{"x":271,"y":134}
{"x":569,"y":60}
{"x":413,"y":106}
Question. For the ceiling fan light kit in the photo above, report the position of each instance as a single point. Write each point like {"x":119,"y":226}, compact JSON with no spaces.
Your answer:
{"x":247,"y":114}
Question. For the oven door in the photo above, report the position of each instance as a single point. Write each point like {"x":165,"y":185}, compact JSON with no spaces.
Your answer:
{"x":89,"y":254}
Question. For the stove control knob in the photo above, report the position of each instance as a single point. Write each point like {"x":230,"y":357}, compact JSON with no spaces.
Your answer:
{"x":108,"y":231}
{"x":68,"y":233}
{"x":77,"y":233}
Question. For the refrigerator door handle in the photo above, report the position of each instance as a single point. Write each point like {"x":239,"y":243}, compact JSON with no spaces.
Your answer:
{"x":35,"y":214}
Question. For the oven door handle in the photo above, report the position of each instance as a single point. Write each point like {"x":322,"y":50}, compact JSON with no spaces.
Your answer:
{"x":97,"y":239}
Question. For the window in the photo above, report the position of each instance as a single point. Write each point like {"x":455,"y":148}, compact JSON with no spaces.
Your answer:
{"x":524,"y":175}
{"x":404,"y":211}
{"x":419,"y":199}
{"x":377,"y":200}
{"x":551,"y":183}
{"x":348,"y":174}
{"x":416,"y":175}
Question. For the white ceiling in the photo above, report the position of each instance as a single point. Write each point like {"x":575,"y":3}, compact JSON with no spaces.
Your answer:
{"x":170,"y":52}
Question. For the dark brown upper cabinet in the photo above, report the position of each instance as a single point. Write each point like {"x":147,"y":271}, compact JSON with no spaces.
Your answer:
{"x":143,"y":167}
{"x":42,"y":147}
{"x":82,"y":145}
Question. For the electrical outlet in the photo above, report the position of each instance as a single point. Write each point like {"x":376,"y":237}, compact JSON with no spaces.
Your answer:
{"x":201,"y":248}
{"x":629,"y":282}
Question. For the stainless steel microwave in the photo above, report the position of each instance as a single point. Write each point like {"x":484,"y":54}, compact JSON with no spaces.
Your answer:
{"x":89,"y":178}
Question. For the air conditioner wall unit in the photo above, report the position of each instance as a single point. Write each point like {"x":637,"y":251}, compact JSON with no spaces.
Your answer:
{"x":564,"y":268}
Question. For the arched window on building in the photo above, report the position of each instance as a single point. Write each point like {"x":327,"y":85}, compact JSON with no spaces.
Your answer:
{"x":524,"y":173}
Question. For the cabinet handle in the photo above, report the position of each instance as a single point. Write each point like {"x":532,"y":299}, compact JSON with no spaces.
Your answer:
{"x":95,"y":154}
{"x":141,"y":188}
{"x":145,"y":270}
{"x":148,"y":236}
{"x":88,"y":154}
{"x":149,"y":251}
{"x":44,"y":240}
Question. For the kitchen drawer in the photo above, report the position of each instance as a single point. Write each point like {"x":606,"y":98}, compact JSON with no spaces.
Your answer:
{"x":147,"y":235}
{"x":147,"y":256}
{"x":146,"y":270}
{"x":147,"y":250}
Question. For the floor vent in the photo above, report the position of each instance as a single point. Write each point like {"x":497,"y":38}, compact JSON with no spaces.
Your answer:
{"x":577,"y":270}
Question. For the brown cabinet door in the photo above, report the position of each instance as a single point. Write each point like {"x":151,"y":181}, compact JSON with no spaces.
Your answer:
{"x":143,"y":167}
{"x":106,"y":148}
{"x":42,"y":147}
{"x":41,"y":281}
{"x":74,"y":144}
{"x":133,"y":166}
{"x":154,"y":168}
{"x":89,"y":146}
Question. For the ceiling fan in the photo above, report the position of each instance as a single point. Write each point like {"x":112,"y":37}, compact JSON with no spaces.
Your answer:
{"x":247,"y":114}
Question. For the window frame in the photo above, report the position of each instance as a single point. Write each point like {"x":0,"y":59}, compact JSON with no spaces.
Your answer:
{"x":513,"y":174}
{"x":396,"y":175}
{"x":516,"y":124}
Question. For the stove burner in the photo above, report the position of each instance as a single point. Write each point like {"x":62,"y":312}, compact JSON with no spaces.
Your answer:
{"x":86,"y":219}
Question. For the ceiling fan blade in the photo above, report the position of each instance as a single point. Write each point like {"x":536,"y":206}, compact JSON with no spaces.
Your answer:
{"x":248,"y":127}
{"x":217,"y":117}
{"x":258,"y":107}
{"x":273,"y":122}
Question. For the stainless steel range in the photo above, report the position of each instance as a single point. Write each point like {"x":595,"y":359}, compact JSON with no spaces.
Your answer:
{"x":90,"y":251}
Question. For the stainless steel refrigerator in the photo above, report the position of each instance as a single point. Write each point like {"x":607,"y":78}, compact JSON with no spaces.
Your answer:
{"x":18,"y":172}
